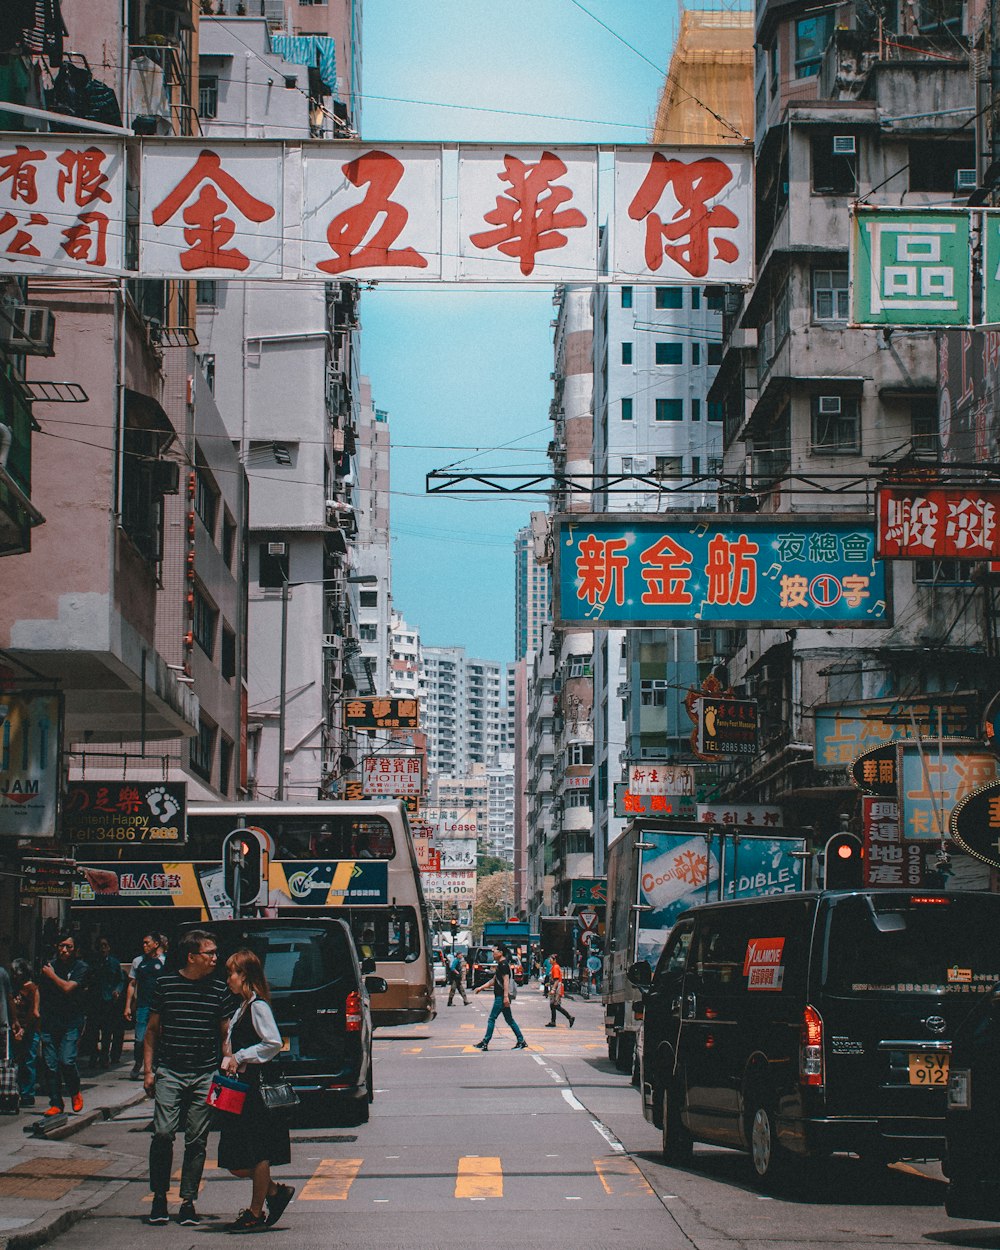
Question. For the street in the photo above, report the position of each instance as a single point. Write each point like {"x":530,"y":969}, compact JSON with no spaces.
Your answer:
{"x":543,"y":1148}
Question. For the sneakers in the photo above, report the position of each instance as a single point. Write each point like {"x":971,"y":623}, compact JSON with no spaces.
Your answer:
{"x":158,"y":1213}
{"x":188,"y":1215}
{"x":481,"y":1045}
{"x":572,"y":1021}
{"x":77,"y":1102}
{"x":521,"y":1045}
{"x":551,"y":1024}
{"x":277,"y":1202}
{"x":247,"y":1222}
{"x":51,"y":1111}
{"x":135,"y":1074}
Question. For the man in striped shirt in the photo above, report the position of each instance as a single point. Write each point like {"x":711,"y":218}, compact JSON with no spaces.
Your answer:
{"x":181,"y":1052}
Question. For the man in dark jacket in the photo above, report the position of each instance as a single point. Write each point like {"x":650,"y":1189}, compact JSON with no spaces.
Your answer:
{"x":61,"y":988}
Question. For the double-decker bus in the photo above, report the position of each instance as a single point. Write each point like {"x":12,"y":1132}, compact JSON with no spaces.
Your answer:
{"x":354,"y":860}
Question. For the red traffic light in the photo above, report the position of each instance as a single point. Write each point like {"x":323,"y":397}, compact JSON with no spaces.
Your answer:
{"x":846,"y":852}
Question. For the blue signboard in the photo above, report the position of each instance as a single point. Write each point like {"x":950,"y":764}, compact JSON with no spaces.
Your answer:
{"x":666,"y":570}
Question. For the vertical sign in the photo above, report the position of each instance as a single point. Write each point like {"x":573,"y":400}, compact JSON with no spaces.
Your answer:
{"x":911,"y":267}
{"x":29,"y":763}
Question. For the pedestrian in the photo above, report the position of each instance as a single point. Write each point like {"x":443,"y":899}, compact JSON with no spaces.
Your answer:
{"x":456,"y":977}
{"x":10,"y":1099}
{"x":257,"y":1139}
{"x":557,"y":990}
{"x":501,"y":981}
{"x":546,"y":970}
{"x":25,"y":1028}
{"x":183,"y":1045}
{"x":61,"y":988}
{"x":145,"y":971}
{"x":108,"y":986}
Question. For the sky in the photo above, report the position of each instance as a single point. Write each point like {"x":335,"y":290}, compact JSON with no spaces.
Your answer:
{"x":463,"y":371}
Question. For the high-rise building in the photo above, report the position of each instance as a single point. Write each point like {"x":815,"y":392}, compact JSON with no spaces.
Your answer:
{"x":460,"y":710}
{"x":531,"y":594}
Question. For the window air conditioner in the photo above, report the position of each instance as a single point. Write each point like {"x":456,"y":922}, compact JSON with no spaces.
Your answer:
{"x":28,"y":329}
{"x":844,"y":145}
{"x":829,"y":405}
{"x":966,"y":180}
{"x":333,"y":642}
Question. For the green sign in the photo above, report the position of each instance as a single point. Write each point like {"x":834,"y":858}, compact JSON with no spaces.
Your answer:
{"x":911,"y":268}
{"x":991,"y":266}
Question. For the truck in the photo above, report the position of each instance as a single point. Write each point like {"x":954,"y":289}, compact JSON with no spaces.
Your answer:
{"x":656,"y":871}
{"x":558,"y":934}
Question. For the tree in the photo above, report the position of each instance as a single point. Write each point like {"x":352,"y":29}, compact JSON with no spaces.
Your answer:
{"x":494,"y":897}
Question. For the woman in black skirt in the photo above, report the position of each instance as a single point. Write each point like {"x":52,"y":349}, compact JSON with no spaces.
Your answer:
{"x":256,"y":1140}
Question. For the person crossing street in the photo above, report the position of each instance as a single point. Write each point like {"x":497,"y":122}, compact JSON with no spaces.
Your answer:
{"x":557,"y":989}
{"x":456,"y":977}
{"x":502,"y":982}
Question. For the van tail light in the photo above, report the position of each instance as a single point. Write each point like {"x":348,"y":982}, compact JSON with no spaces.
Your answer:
{"x":811,"y":1049}
{"x":352,"y":1012}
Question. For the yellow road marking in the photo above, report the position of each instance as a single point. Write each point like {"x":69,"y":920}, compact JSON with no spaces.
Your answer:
{"x":620,"y":1176}
{"x":480,"y":1177}
{"x":412,"y":1050}
{"x":331,"y":1180}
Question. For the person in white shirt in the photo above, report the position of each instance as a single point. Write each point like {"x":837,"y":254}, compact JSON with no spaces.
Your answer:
{"x":256,"y":1140}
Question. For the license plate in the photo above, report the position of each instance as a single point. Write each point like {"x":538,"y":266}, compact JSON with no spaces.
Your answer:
{"x":929,"y":1069}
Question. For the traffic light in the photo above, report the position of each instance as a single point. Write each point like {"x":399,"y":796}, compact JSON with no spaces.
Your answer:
{"x":843,"y":862}
{"x":454,"y":927}
{"x":244,"y":868}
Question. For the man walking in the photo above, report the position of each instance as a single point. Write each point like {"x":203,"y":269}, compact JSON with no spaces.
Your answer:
{"x":61,"y":988}
{"x":145,"y":971}
{"x":557,"y":989}
{"x":108,"y":986}
{"x":501,"y":981}
{"x":456,"y":977}
{"x":184,"y":1039}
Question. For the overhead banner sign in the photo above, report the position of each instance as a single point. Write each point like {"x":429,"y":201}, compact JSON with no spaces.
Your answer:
{"x":392,"y":775}
{"x":745,"y":815}
{"x":954,"y":523}
{"x":664,"y":570}
{"x":259,"y":209}
{"x":652,"y":777}
{"x":845,"y":730}
{"x":376,"y":713}
{"x":888,"y":861}
{"x":628,"y":802}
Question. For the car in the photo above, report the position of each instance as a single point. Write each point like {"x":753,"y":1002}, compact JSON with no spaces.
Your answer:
{"x":320,"y":998}
{"x":804,"y":1024}
{"x":441,"y":961}
{"x":482,"y":965}
{"x":972,"y":1156}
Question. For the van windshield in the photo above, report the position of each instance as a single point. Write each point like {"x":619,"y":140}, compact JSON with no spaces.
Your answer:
{"x":947,"y":947}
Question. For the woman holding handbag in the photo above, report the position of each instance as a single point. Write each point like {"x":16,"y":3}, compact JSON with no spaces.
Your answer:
{"x":257,"y":1139}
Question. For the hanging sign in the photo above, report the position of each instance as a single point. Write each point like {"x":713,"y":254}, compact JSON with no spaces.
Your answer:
{"x":875,"y":771}
{"x":727,"y":727}
{"x":933,"y":779}
{"x":975,"y":824}
{"x":953,"y":523}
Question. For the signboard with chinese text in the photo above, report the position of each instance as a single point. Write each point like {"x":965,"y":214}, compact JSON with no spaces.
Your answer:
{"x":62,"y":204}
{"x":990,"y":232}
{"x":450,"y":887}
{"x":588,"y":891}
{"x":628,"y":803}
{"x":876,"y":771}
{"x":379,"y":713}
{"x":843,"y":730}
{"x":954,"y":523}
{"x":910,"y":267}
{"x":123,"y":813}
{"x":933,"y":779}
{"x":456,"y":853}
{"x":392,"y":775}
{"x":667,"y":570}
{"x":48,"y":878}
{"x":746,"y":815}
{"x":975,"y":824}
{"x":239,"y":209}
{"x":727,"y":726}
{"x":888,"y":861}
{"x":31,"y":726}
{"x":654,"y":777}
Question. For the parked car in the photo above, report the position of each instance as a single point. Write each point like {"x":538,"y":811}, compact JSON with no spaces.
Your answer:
{"x":972,"y":1160}
{"x":319,"y":994}
{"x":805,"y":1024}
{"x":442,"y":959}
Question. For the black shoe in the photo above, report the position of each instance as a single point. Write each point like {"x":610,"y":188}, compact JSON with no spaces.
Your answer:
{"x":188,"y":1215}
{"x":521,"y":1045}
{"x":277,"y":1203}
{"x":572,"y":1021}
{"x":158,"y":1213}
{"x":481,"y":1045}
{"x":247,"y":1222}
{"x":551,"y":1025}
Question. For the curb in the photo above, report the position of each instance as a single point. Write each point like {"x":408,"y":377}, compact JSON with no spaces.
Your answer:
{"x":77,"y":1123}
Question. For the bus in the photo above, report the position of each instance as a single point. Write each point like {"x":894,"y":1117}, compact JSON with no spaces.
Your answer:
{"x":350,"y":859}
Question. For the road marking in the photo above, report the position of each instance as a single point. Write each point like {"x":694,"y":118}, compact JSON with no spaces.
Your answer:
{"x":479,"y":1177}
{"x":332,"y":1180}
{"x":561,"y":1080}
{"x":573,"y":1102}
{"x":621,"y":1176}
{"x":573,"y":1198}
{"x":412,"y":1050}
{"x":608,"y":1136}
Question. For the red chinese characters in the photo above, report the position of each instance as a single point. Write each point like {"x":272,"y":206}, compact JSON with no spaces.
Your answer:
{"x":943,"y":523}
{"x":348,"y":233}
{"x":732,"y":570}
{"x":529,"y":217}
{"x":684,"y":229}
{"x":600,"y":568}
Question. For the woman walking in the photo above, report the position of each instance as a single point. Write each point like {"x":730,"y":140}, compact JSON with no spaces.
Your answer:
{"x":257,"y":1140}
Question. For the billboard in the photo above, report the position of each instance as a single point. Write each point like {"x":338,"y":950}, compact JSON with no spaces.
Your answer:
{"x":934,"y":777}
{"x":31,"y":727}
{"x":395,"y":776}
{"x":727,"y":726}
{"x":934,"y":523}
{"x":123,"y":813}
{"x":659,"y":777}
{"x":628,"y":803}
{"x":380,"y":713}
{"x":845,"y":730}
{"x":667,"y":570}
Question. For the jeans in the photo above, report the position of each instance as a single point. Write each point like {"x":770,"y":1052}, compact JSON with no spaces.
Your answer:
{"x":108,"y":1027}
{"x":26,"y":1055}
{"x":59,"y":1047}
{"x":508,"y":1015}
{"x":180,"y":1096}
{"x":142,"y":1015}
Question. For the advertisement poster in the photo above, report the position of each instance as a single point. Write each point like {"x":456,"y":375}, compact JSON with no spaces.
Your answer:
{"x":125,"y":812}
{"x":934,"y":778}
{"x":845,"y":730}
{"x":30,"y":724}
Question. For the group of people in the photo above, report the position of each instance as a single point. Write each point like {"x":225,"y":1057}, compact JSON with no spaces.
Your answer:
{"x":503,"y":986}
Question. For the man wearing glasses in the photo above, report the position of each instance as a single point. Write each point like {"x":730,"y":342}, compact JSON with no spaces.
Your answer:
{"x":181,"y":1052}
{"x":62,"y":1019}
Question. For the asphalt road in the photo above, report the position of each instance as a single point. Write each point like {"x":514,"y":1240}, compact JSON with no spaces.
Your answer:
{"x":542,"y":1148}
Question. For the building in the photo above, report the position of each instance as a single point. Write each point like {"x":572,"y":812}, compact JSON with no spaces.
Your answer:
{"x":531,"y":593}
{"x":500,"y":807}
{"x":371,"y":560}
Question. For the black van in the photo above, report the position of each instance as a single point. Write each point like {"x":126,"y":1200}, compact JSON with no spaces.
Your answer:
{"x":320,"y":1000}
{"x":972,"y":1160}
{"x":803,"y":1024}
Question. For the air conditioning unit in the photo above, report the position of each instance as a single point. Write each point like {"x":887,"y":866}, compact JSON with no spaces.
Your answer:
{"x":966,"y":180}
{"x":333,"y":642}
{"x":845,"y":145}
{"x":28,"y":329}
{"x":829,"y":405}
{"x":640,"y":464}
{"x":770,"y":673}
{"x":623,"y":690}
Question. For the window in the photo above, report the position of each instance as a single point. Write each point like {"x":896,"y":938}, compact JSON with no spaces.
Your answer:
{"x":142,"y":490}
{"x":715,"y":299}
{"x":812,"y":34}
{"x":207,"y":362}
{"x":832,"y":174}
{"x":368,"y":599}
{"x":272,"y":568}
{"x":626,"y":297}
{"x":208,"y":95}
{"x":934,"y":164}
{"x":670,"y":409}
{"x":205,"y":617}
{"x":368,"y":633}
{"x":627,"y":409}
{"x":715,"y":353}
{"x":626,"y":353}
{"x":716,"y":411}
{"x":695,"y":466}
{"x":695,"y":409}
{"x":669,"y":466}
{"x":206,"y":501}
{"x":669,"y":297}
{"x":695,"y":298}
{"x":942,"y":572}
{"x":836,"y":428}
{"x":653,"y":692}
{"x":924,"y":425}
{"x":830,"y":294}
{"x":774,"y":60}
{"x":203,"y":748}
{"x":577,"y":798}
{"x":669,"y":353}
{"x":696,"y":353}
{"x":206,"y":293}
{"x":225,"y":764}
{"x":228,"y":539}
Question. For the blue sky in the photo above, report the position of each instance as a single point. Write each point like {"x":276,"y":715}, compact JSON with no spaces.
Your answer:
{"x":464,"y":372}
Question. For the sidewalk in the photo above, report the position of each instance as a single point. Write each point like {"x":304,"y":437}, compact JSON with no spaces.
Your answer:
{"x":46,"y":1182}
